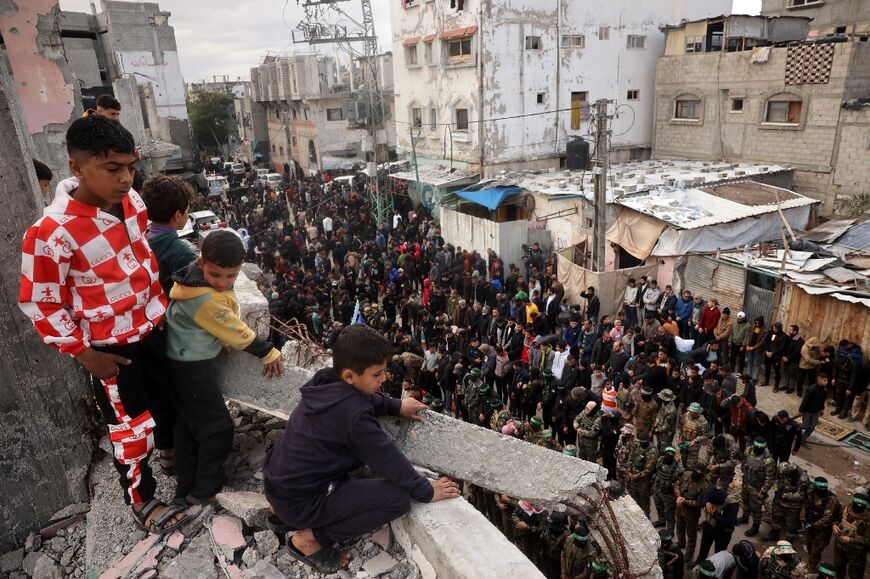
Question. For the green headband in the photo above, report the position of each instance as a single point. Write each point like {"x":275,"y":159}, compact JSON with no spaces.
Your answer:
{"x":577,"y":537}
{"x":670,"y":449}
{"x":706,"y":573}
{"x":599,"y":566}
{"x":536,"y":421}
{"x":820,"y":484}
{"x":760,"y":443}
{"x":827,"y":571}
{"x":859,"y":501}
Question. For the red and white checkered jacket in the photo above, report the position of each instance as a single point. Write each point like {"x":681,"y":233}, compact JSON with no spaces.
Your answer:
{"x":87,"y":277}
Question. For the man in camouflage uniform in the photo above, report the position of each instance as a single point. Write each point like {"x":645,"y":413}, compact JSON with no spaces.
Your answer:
{"x":693,"y":431}
{"x":667,"y":474}
{"x":467,"y":394}
{"x":821,"y":511}
{"x":759,"y":473}
{"x":553,"y":537}
{"x":666,"y":420}
{"x":779,"y":562}
{"x":536,"y":427}
{"x":671,"y":560}
{"x":641,"y":465}
{"x":500,"y":414}
{"x":600,"y":568}
{"x":688,"y":492}
{"x":547,"y":440}
{"x":784,"y":508}
{"x":570,"y":450}
{"x":721,"y":460}
{"x":578,"y":552}
{"x":852,"y":541}
{"x":479,"y":410}
{"x":645,"y":411}
{"x":623,"y":449}
{"x":588,"y":427}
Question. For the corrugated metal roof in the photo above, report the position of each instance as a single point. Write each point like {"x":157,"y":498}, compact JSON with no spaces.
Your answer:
{"x":694,"y":208}
{"x":437,"y":175}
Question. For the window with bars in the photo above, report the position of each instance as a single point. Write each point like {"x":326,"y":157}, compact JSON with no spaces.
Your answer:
{"x":636,"y":41}
{"x":604,"y":33}
{"x":573,"y":41}
{"x":461,"y":119}
{"x":417,"y":117}
{"x":687,"y":108}
{"x":632,"y":95}
{"x":459,"y":50}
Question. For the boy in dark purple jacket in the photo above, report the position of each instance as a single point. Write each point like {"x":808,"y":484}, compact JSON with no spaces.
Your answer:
{"x":333,"y":431}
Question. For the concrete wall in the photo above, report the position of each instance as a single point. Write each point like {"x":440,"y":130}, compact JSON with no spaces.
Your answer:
{"x":826,"y":16}
{"x":813,"y":146}
{"x":507,"y":78}
{"x":470,"y":232}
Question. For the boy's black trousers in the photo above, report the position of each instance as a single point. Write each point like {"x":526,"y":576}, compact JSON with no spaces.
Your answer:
{"x":203,"y":429}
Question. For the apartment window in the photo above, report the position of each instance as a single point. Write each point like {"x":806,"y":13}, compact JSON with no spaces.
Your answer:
{"x":433,"y":119}
{"x":579,"y":109}
{"x":533,"y":43}
{"x":632,"y":95}
{"x":312,"y":152}
{"x":459,"y":50}
{"x":694,"y":44}
{"x":305,"y":112}
{"x":293,"y":140}
{"x":461,"y":119}
{"x":604,"y":33}
{"x":687,"y":108}
{"x":273,"y":148}
{"x":540,"y":98}
{"x":636,"y":41}
{"x":334,"y":114}
{"x":802,"y":3}
{"x":281,"y":150}
{"x":736,"y":105}
{"x":427,"y":52}
{"x":411,"y":55}
{"x":840,"y":30}
{"x":589,"y":223}
{"x":417,"y":117}
{"x":783,"y":109}
{"x":573,"y":41}
{"x":293,"y":111}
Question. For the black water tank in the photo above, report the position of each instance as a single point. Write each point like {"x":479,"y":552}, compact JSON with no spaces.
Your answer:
{"x":577,"y":154}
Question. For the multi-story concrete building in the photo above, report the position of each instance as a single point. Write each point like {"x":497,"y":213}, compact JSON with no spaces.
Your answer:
{"x":828,"y":16}
{"x":128,"y":50}
{"x":253,"y":131}
{"x":304,"y":97}
{"x":504,"y":85}
{"x":800,"y":104}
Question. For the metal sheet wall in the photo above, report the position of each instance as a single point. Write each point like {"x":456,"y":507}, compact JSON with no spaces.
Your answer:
{"x":709,"y":278}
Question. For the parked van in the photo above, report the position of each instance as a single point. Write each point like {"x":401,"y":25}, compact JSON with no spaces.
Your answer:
{"x":272,"y":180}
{"x":218,"y":187}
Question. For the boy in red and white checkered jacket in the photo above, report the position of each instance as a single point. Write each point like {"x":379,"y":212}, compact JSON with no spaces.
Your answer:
{"x":89,"y":284}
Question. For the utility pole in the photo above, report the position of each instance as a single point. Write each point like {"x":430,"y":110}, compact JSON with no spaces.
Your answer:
{"x":601,"y":161}
{"x":315,"y":32}
{"x":289,"y":140}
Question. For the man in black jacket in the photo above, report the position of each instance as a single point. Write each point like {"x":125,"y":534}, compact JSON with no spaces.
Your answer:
{"x":774,"y":347}
{"x":790,"y":358}
{"x":813,"y":406}
{"x":593,"y":304}
{"x":719,"y":520}
{"x":786,"y":436}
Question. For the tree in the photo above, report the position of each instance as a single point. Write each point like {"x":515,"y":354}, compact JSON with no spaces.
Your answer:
{"x":209,"y":112}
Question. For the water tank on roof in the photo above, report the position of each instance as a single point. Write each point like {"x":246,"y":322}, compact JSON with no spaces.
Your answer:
{"x":577,"y":154}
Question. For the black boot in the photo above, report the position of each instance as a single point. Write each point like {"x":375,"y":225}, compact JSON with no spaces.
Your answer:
{"x":743,"y":520}
{"x":751,"y":531}
{"x":658,"y":524}
{"x":773,"y":535}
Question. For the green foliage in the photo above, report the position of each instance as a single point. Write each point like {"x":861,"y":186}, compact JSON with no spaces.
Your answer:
{"x":859,"y":204}
{"x":209,"y":113}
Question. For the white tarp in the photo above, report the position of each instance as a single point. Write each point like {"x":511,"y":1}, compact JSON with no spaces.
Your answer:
{"x":746,"y":231}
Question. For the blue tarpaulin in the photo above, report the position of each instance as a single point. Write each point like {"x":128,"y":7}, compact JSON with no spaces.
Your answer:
{"x":489,"y":198}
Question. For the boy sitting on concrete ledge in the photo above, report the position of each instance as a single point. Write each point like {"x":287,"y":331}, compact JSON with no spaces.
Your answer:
{"x":333,"y":431}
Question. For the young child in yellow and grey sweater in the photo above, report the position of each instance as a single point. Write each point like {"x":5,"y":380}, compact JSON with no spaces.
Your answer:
{"x":203,"y":317}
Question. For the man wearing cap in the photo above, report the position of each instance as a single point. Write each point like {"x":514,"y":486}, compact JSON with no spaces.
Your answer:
{"x":553,"y":535}
{"x":578,"y":552}
{"x":852,"y":541}
{"x":667,"y":473}
{"x":666,"y":419}
{"x":821,"y":511}
{"x":587,"y":424}
{"x":720,"y":518}
{"x":671,"y":560}
{"x":693,"y":432}
{"x":779,"y":562}
{"x":784,"y":508}
{"x":721,"y":460}
{"x":737,"y":343}
{"x":759,"y":473}
{"x":641,"y":465}
{"x":688,"y":491}
{"x":536,"y":428}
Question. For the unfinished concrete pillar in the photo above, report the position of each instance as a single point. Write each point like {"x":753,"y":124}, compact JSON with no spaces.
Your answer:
{"x":45,"y":400}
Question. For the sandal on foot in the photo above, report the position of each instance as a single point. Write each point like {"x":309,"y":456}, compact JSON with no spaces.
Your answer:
{"x":160,"y":524}
{"x":277,"y":526}
{"x":327,"y":560}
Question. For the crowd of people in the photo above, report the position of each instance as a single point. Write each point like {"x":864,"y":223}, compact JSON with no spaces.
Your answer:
{"x":661,"y":393}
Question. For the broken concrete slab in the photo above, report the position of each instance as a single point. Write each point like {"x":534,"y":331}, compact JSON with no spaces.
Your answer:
{"x":121,"y":568}
{"x":175,"y":540}
{"x":382,"y":537}
{"x":267,"y":542}
{"x":46,"y":568}
{"x":380,"y":564}
{"x":11,"y":561}
{"x":253,"y":508}
{"x":263,"y":570}
{"x":195,"y":562}
{"x":227,"y":533}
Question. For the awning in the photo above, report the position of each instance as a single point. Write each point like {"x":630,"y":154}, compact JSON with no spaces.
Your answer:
{"x":458,"y":32}
{"x":635,"y":232}
{"x":489,"y":198}
{"x":429,"y":38}
{"x":411,"y":41}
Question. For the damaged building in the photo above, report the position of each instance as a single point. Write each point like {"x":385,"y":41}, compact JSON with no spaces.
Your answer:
{"x":506,"y":85}
{"x":753,"y":89}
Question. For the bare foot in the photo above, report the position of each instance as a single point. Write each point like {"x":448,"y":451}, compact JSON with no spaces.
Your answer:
{"x":306,"y":544}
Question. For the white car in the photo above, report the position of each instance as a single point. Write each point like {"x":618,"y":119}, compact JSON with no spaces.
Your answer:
{"x":201,"y":223}
{"x":218,"y":186}
{"x":272,"y":180}
{"x":238,"y":169}
{"x":261,"y":172}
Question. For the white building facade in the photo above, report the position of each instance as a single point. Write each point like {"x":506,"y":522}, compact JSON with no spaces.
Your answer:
{"x":505,"y":84}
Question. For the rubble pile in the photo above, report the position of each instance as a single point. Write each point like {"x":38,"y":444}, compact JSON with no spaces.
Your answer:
{"x":231,"y":539}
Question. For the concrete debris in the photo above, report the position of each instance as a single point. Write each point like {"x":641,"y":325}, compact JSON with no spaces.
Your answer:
{"x":70,"y":511}
{"x":267,"y":543}
{"x":253,"y":508}
{"x":30,"y":562}
{"x":263,"y":570}
{"x":380,"y":564}
{"x":175,"y":540}
{"x":46,"y":568}
{"x":33,"y":542}
{"x":11,"y":561}
{"x":195,"y":562}
{"x":250,"y":557}
{"x":129,"y":561}
{"x":382,"y":537}
{"x":227,"y":533}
